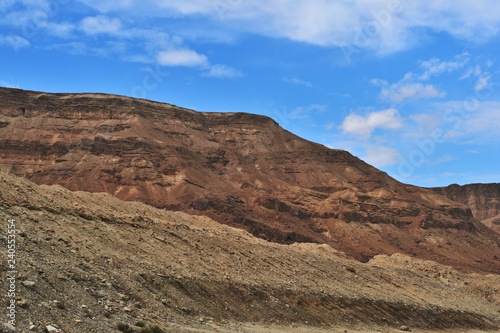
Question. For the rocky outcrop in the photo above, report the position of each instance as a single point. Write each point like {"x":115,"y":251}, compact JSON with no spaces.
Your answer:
{"x":240,"y":169}
{"x":482,"y":199}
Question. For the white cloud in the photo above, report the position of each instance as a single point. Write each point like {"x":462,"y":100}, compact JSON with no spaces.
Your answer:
{"x":378,"y":82}
{"x":298,"y":82}
{"x":458,"y":122}
{"x":302,"y":112}
{"x":485,"y":120}
{"x":101,"y":25}
{"x":435,"y":66}
{"x":412,"y":85}
{"x":5,"y":4}
{"x":482,"y":82}
{"x":182,"y":57}
{"x":363,"y":126}
{"x":75,"y":48}
{"x":374,"y":24}
{"x":8,"y":84}
{"x":82,"y":48}
{"x":63,"y":30}
{"x":398,"y":92}
{"x":14,"y":41}
{"x":473,"y":71}
{"x":112,"y":5}
{"x":119,"y":39}
{"x":444,"y":159}
{"x":381,"y":156}
{"x":482,"y":78}
{"x":223,"y":71}
{"x":426,"y":120}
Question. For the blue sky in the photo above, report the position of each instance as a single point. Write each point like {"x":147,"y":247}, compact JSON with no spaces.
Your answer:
{"x":411,"y":87}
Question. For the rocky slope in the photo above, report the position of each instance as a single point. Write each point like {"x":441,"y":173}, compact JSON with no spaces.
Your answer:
{"x":88,"y":262}
{"x":483,"y":200}
{"x":239,"y":169}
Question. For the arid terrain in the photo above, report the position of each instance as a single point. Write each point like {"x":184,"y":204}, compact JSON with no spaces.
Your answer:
{"x":239,"y":169}
{"x":88,"y":261}
{"x":483,"y":200}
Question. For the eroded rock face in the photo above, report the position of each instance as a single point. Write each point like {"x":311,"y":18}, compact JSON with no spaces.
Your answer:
{"x":482,"y":199}
{"x":240,"y":169}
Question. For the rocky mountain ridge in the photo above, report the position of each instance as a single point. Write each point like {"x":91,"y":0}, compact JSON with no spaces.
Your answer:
{"x":240,"y":169}
{"x":482,"y":199}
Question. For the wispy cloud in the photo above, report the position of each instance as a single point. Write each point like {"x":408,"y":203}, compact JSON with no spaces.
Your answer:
{"x":101,"y":25}
{"x":482,"y":82}
{"x":400,"y":91}
{"x":8,"y":84}
{"x":473,"y":71}
{"x":485,"y":120}
{"x":14,"y":41}
{"x":182,"y":57}
{"x":302,"y":112}
{"x":435,"y":66}
{"x":414,"y":85}
{"x":331,"y":23}
{"x":458,"y":124}
{"x":444,"y":159}
{"x":223,"y":71}
{"x":363,"y":126}
{"x":106,"y":49}
{"x":482,"y":78}
{"x":381,"y":156}
{"x":107,"y":35}
{"x":60,"y":29}
{"x":298,"y":82}
{"x":319,"y":22}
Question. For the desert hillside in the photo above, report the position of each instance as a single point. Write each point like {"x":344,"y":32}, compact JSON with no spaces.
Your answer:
{"x":239,"y":169}
{"x":88,"y":261}
{"x":483,"y":200}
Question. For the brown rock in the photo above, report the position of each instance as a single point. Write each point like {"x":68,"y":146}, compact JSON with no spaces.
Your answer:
{"x":482,"y":199}
{"x":22,"y":303}
{"x":28,"y":283}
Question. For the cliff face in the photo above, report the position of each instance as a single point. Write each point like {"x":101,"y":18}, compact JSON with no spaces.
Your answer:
{"x":482,"y":199}
{"x":239,"y":169}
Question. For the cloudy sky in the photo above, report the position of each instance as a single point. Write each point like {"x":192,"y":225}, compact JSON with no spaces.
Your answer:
{"x":411,"y":87}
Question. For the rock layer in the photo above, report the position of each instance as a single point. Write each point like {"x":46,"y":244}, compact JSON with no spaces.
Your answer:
{"x":482,"y":199}
{"x":240,"y":169}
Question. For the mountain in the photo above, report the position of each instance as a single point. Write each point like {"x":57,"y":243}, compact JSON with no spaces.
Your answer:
{"x":88,"y":262}
{"x":240,"y":169}
{"x":482,"y":199}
